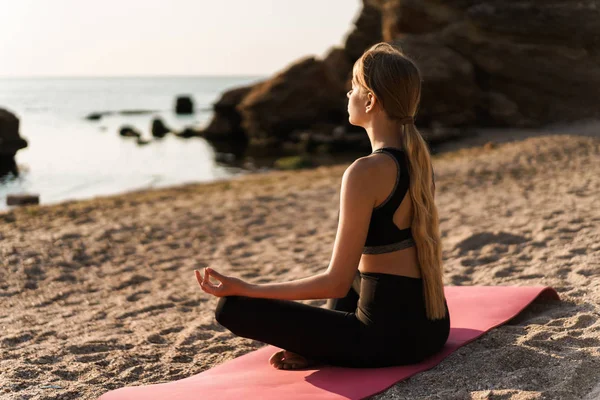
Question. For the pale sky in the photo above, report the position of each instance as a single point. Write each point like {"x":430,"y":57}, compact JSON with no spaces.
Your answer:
{"x":166,"y":37}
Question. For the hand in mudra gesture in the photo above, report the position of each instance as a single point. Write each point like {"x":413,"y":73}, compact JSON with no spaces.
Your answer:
{"x":227,"y":286}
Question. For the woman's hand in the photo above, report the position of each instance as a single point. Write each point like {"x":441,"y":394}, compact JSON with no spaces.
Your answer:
{"x":228,"y":286}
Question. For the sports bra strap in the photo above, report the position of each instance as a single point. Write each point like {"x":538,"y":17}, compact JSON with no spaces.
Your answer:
{"x":392,"y":202}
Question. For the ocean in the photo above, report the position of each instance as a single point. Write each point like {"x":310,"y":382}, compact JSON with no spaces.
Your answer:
{"x":69,"y":157}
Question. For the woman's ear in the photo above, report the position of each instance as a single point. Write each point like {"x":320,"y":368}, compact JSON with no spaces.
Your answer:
{"x":371,"y":101}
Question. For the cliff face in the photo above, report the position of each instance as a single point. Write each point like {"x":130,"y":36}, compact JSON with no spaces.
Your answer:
{"x":484,"y":63}
{"x":526,"y":62}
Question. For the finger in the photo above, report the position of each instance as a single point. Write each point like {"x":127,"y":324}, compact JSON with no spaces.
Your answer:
{"x":207,"y":288}
{"x":216,"y":274}
{"x":198,"y":277}
{"x":206,"y":277}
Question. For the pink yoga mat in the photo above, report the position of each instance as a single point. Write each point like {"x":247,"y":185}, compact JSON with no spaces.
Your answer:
{"x":473,"y":311}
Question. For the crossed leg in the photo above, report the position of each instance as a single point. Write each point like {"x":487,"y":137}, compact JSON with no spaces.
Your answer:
{"x":309,"y":334}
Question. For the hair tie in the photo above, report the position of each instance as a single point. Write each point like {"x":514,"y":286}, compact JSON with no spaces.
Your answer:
{"x":407,"y":120}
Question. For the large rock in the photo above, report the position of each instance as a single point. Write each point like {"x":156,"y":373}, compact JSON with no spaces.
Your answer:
{"x":483,"y":63}
{"x":532,"y":62}
{"x":339,"y":63}
{"x":304,"y":94}
{"x":10,"y":140}
{"x":226,"y":120}
{"x":367,"y":29}
{"x":450,"y":92}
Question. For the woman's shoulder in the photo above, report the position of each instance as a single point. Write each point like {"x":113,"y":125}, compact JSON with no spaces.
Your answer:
{"x":364,"y":165}
{"x":368,"y":169}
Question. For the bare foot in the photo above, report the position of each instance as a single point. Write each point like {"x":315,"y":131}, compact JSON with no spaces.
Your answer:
{"x":284,"y":359}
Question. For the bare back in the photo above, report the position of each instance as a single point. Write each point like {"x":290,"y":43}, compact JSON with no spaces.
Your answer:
{"x":402,"y":262}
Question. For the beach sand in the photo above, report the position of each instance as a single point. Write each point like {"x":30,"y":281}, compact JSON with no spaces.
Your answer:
{"x":99,"y":294}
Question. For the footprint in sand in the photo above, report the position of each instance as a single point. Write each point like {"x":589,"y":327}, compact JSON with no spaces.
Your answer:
{"x":46,"y":360}
{"x":513,"y":358}
{"x":588,"y":271}
{"x":148,"y":309}
{"x":478,"y":240}
{"x":175,"y":329}
{"x":59,"y":297}
{"x":560,"y":341}
{"x":133,"y":281}
{"x":156,"y":339}
{"x":194,"y":337}
{"x":25,"y":374}
{"x":42,"y":337}
{"x":182,"y":359}
{"x":507,"y":271}
{"x":65,"y":278}
{"x":12,"y":341}
{"x":579,"y":250}
{"x":66,"y":374}
{"x":575,"y":322}
{"x":97,"y":347}
{"x":137,"y":295}
{"x":91,"y":358}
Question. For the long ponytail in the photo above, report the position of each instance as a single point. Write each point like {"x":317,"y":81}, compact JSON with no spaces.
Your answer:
{"x":425,"y":221}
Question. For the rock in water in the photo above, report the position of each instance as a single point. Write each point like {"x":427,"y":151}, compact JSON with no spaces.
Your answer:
{"x":184,"y":105}
{"x":128,"y":131}
{"x":158,"y":128}
{"x":10,"y":140}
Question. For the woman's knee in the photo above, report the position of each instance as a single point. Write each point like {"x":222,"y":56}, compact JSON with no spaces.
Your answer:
{"x":225,"y":312}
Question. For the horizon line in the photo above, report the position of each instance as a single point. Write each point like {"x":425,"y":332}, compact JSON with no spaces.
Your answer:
{"x":138,"y":76}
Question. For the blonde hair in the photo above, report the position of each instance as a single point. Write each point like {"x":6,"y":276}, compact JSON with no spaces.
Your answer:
{"x":395,"y":81}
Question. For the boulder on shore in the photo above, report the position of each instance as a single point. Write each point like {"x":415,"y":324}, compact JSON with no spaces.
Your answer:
{"x":304,"y":94}
{"x":226,"y":121}
{"x":22,"y":199}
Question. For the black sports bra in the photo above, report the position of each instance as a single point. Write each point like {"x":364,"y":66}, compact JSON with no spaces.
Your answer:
{"x":384,"y":236}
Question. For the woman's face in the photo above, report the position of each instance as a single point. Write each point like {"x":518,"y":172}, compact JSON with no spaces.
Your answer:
{"x":357,"y":104}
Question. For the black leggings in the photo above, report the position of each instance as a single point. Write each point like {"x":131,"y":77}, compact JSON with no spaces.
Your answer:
{"x":380,"y":322}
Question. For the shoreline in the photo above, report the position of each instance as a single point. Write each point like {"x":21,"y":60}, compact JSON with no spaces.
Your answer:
{"x":97,"y":294}
{"x":484,"y":136}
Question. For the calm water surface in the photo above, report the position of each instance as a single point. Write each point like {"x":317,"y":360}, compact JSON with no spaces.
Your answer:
{"x":69,"y":157}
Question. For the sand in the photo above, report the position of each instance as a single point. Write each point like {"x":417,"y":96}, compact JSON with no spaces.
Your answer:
{"x":99,"y":294}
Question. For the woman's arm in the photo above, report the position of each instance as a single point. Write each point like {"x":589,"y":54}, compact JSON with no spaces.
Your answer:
{"x":318,"y":286}
{"x":356,"y":204}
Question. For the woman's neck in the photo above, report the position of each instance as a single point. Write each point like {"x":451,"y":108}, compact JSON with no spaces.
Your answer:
{"x":384,"y":133}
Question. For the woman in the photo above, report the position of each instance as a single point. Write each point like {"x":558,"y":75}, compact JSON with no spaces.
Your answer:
{"x":384,"y":281}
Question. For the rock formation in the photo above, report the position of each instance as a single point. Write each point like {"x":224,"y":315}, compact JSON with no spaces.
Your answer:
{"x":10,"y":141}
{"x":484,"y":63}
{"x":129,"y":131}
{"x":158,"y":128}
{"x":184,"y":105}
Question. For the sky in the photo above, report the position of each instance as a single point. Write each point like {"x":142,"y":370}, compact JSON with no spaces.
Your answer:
{"x":49,"y":38}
